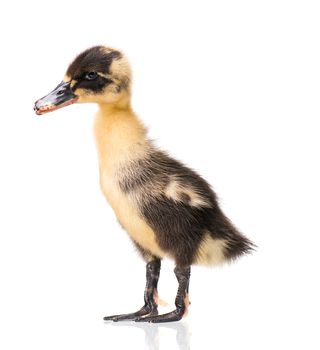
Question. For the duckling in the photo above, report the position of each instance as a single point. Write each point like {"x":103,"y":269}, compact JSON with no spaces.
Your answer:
{"x":168,"y":210}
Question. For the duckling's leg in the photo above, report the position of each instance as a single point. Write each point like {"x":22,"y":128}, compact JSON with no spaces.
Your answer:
{"x":182,"y":302}
{"x":150,"y":294}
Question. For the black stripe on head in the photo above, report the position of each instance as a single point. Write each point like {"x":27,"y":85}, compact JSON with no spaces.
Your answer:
{"x":95,"y":59}
{"x":94,"y":86}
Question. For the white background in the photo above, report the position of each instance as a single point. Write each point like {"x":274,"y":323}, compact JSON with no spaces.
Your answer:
{"x":229,"y":87}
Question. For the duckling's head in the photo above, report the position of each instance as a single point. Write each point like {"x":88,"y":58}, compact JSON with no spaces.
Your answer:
{"x":100,"y":74}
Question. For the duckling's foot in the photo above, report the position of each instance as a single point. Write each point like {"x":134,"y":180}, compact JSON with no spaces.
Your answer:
{"x":172,"y":316}
{"x":144,"y":311}
{"x":182,"y":300}
{"x":150,"y":307}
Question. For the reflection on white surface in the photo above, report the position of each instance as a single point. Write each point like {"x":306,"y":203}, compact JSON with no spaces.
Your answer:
{"x":153,"y":340}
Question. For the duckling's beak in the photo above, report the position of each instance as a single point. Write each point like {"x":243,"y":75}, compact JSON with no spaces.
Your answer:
{"x":60,"y":97}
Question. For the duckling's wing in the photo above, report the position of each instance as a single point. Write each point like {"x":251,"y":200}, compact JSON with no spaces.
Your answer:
{"x":183,"y":211}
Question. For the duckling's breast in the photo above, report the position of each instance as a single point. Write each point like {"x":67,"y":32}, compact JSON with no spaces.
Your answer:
{"x":126,"y":209}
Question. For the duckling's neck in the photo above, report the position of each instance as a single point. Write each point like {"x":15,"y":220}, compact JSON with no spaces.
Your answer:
{"x":120,"y":136}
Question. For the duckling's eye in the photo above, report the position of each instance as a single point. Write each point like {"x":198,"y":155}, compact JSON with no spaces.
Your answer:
{"x":91,"y":75}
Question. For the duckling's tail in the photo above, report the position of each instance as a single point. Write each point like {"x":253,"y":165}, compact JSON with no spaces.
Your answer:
{"x":236,"y":243}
